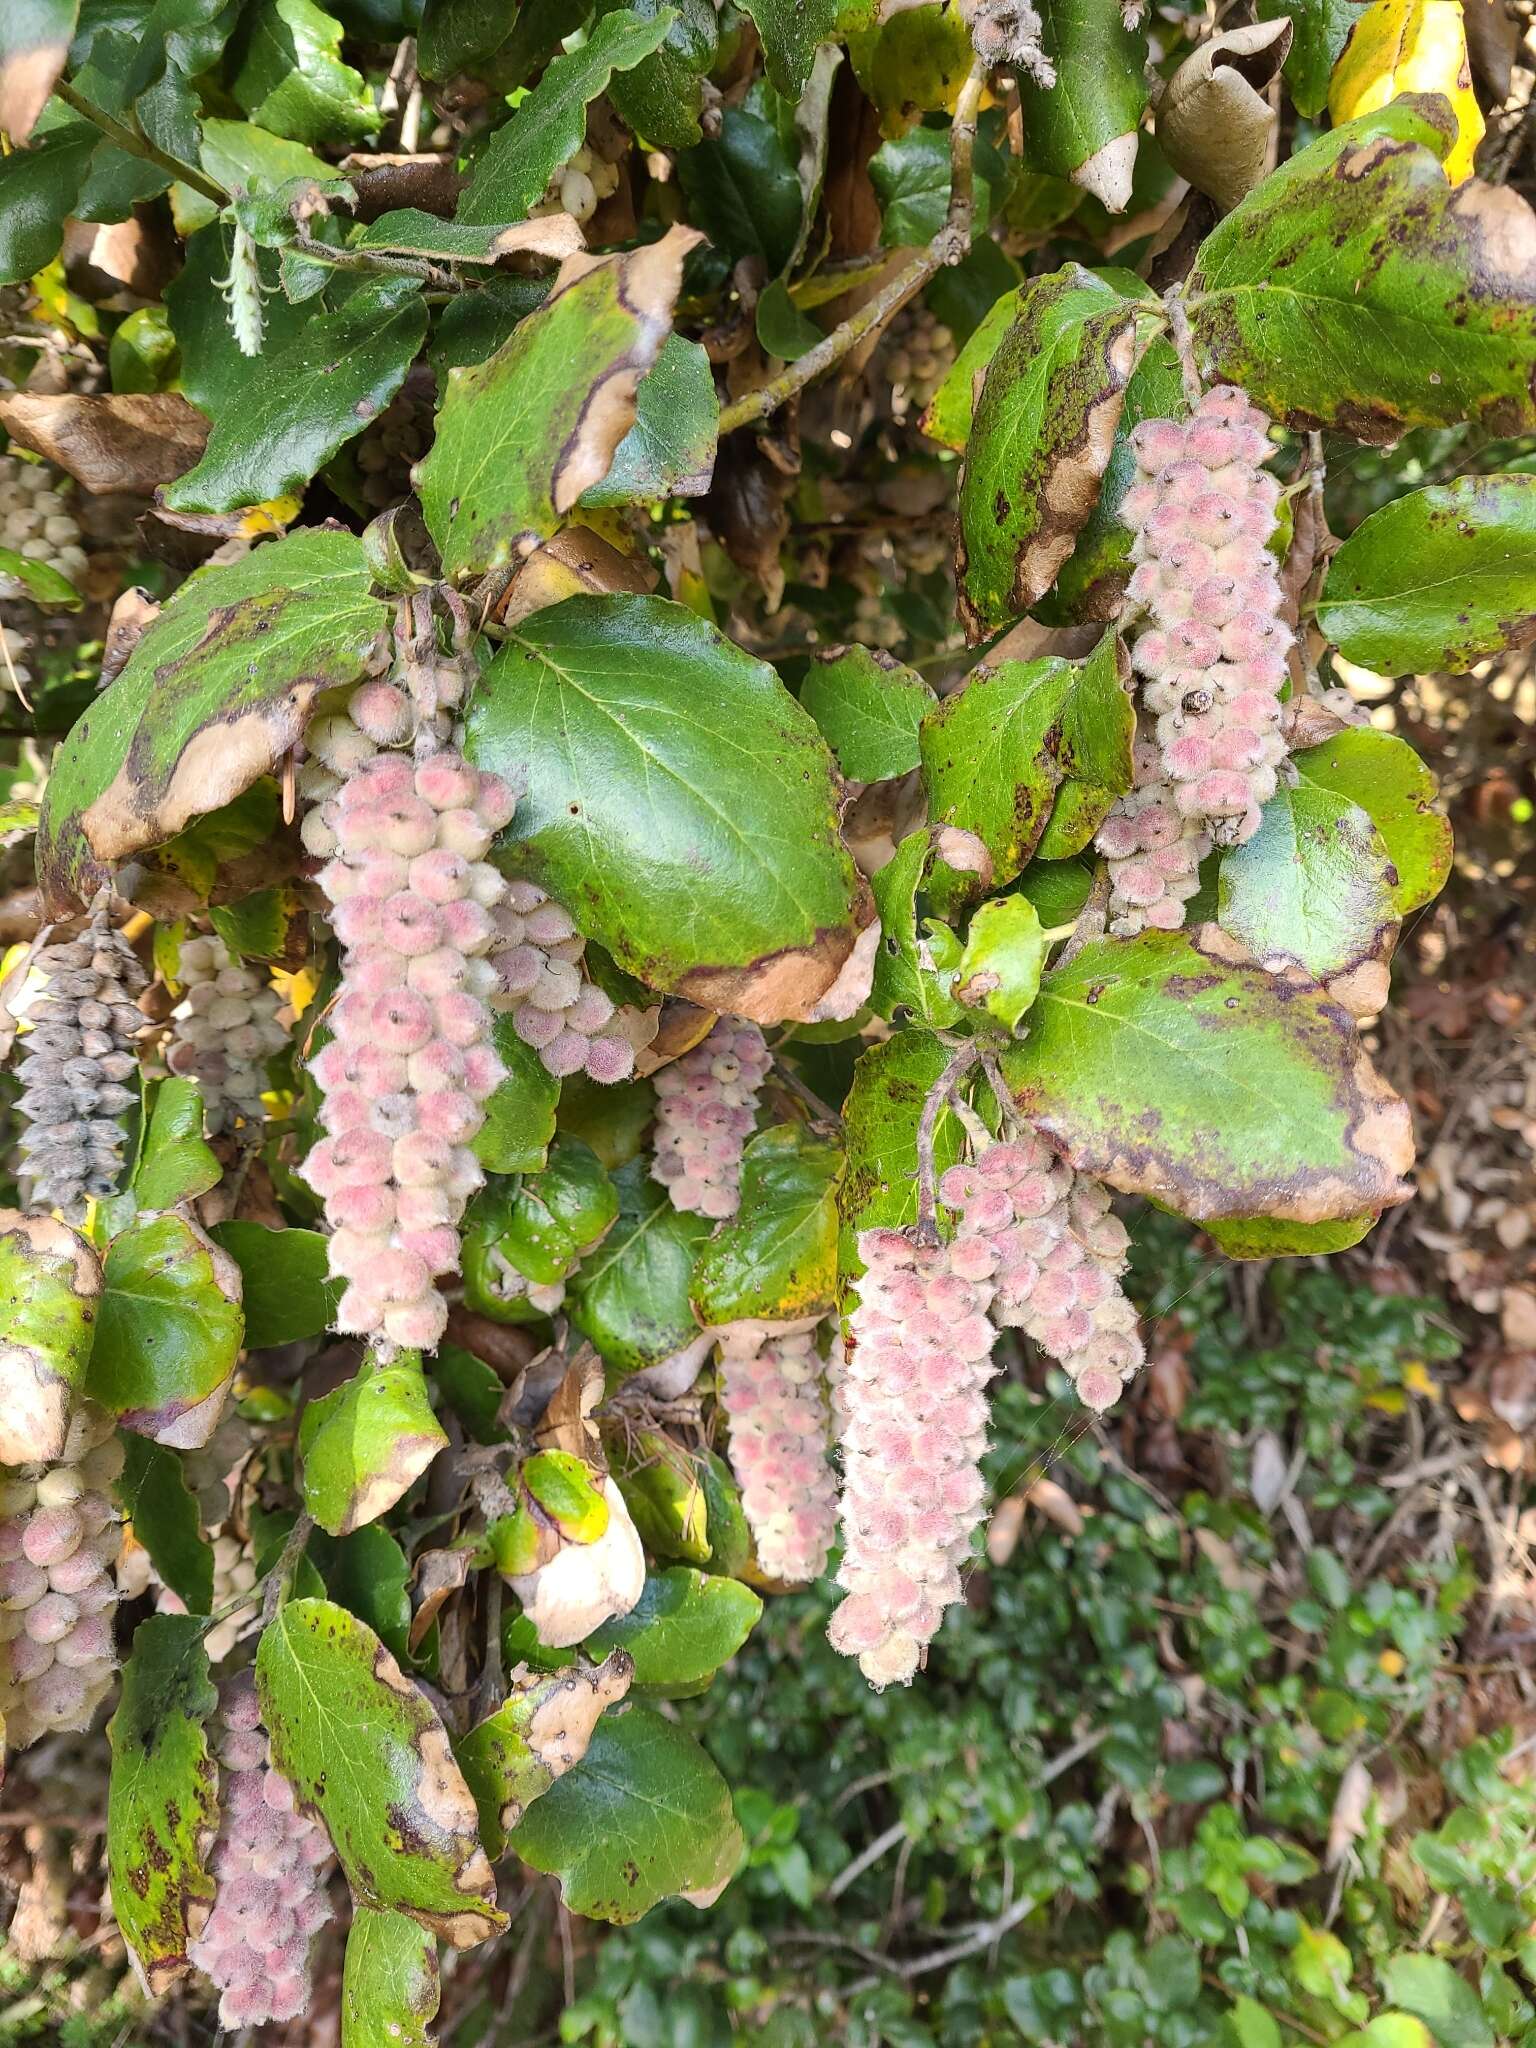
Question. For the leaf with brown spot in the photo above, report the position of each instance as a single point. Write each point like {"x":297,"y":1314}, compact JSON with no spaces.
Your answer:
{"x":439,"y":1574}
{"x":535,"y":1736}
{"x":213,"y":696}
{"x":365,"y":1443}
{"x":50,"y":1284}
{"x":1040,"y":440}
{"x":130,"y":441}
{"x":365,"y":1751}
{"x":1170,"y":1065}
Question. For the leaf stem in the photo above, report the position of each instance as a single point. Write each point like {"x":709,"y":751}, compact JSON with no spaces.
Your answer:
{"x":280,"y":1578}
{"x":136,"y":143}
{"x":1184,"y":347}
{"x":949,"y":246}
{"x":927,"y":1129}
{"x":374,"y":259}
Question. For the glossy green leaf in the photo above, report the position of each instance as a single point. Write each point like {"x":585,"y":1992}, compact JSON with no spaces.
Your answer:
{"x":290,"y":77}
{"x":670,"y":450}
{"x":680,"y":801}
{"x":1167,"y":1067}
{"x":389,"y":1982}
{"x":549,"y":126}
{"x":242,"y":157}
{"x":1431,"y":1990}
{"x":660,"y":97}
{"x":365,"y":1443}
{"x":881,"y":1115}
{"x":162,"y":1797}
{"x":1084,"y":126}
{"x":175,"y":1162}
{"x":153,"y":1493}
{"x":782,"y":329}
{"x":1003,"y":960}
{"x":538,"y":1733}
{"x":1383,"y":774}
{"x":631,"y":1296}
{"x":744,"y":191}
{"x":288,"y":1293}
{"x":214,"y":374}
{"x":869,"y":707}
{"x":471,"y":1390}
{"x":50,"y":1283}
{"x":38,"y":190}
{"x":1320,"y":29}
{"x":1344,"y":343}
{"x":790,"y":31}
{"x":363,"y":1748}
{"x":168,"y":1332}
{"x":776,"y":1258}
{"x":1438,"y":579}
{"x":684,"y":1626}
{"x":909,"y":978}
{"x":40,"y":582}
{"x":307,"y":401}
{"x":558,"y":1215}
{"x":522,"y":436}
{"x":910,"y":175}
{"x":367,"y":1573}
{"x":520,"y":1115}
{"x":1041,"y":440}
{"x":194,"y":719}
{"x":563,"y":1487}
{"x":1391,"y":2030}
{"x":913,"y":62}
{"x":643,"y":1817}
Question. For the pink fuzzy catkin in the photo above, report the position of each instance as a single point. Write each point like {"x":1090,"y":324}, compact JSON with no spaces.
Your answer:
{"x":411,"y":1064}
{"x":556,"y":1007}
{"x":1214,"y":657}
{"x":772,"y":1393}
{"x":706,"y":1107}
{"x":913,"y":1426}
{"x":270,"y":1865}
{"x":1153,"y":852}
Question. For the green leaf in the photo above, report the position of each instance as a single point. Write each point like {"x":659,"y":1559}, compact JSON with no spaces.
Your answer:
{"x":1314,"y":885}
{"x":242,"y":157}
{"x":307,"y":401}
{"x":914,"y":62}
{"x":522,"y":436}
{"x":154,"y":1495}
{"x":890,"y":1084}
{"x":142,"y":353}
{"x":472,"y":1390}
{"x":670,"y":450}
{"x":1390,"y":2030}
{"x":288,"y":1294}
{"x":264,"y":926}
{"x":549,"y":126}
{"x":520,"y":1115}
{"x":1342,"y":340}
{"x":168,"y":1332}
{"x":40,"y":581}
{"x":1320,"y":29}
{"x":661,"y":96}
{"x":680,"y":802}
{"x":908,"y":977}
{"x":776,"y":1259}
{"x":1437,"y":580}
{"x":631,"y":1297}
{"x":782,"y":329}
{"x":1432,"y":1991}
{"x":1003,"y":960}
{"x":364,"y":1749}
{"x":1260,"y":1237}
{"x":684,"y":1626}
{"x":50,"y":1282}
{"x":538,"y":1733}
{"x":389,"y":1982}
{"x":34,"y":41}
{"x":610,"y":1120}
{"x":869,"y":707}
{"x":744,"y":191}
{"x":1165,"y":1066}
{"x":643,"y":1817}
{"x":484,"y":36}
{"x":662,"y":1485}
{"x":38,"y":190}
{"x":364,"y":1444}
{"x":194,"y":719}
{"x":214,"y":374}
{"x":789,"y":31}
{"x":910,"y":175}
{"x":558,"y":1215}
{"x":175,"y":1163}
{"x":1383,"y":774}
{"x":367,"y":1573}
{"x":562,"y":1485}
{"x":291,"y":79}
{"x":162,"y":1797}
{"x":1041,"y":439}
{"x":1084,"y":126}
{"x":1252,"y":2026}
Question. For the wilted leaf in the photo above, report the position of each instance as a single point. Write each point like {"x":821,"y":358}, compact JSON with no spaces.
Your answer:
{"x":869,"y":707}
{"x":389,"y":1982}
{"x":1214,"y":121}
{"x":776,"y":1258}
{"x":168,"y":1331}
{"x":50,"y":1282}
{"x":669,"y":452}
{"x":1402,"y":46}
{"x":539,"y":1732}
{"x":365,"y":1443}
{"x":128,"y":441}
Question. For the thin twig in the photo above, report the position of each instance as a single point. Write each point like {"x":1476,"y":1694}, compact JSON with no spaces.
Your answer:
{"x":138,"y":144}
{"x":1184,"y":347}
{"x":373,"y":259}
{"x":281,"y":1575}
{"x":852,"y":1872}
{"x":928,"y":1123}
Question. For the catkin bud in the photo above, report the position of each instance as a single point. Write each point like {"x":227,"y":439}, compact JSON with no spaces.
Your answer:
{"x":542,"y":980}
{"x":224,"y":1031}
{"x":705,"y":1109}
{"x":774,"y":1400}
{"x":1153,"y":852}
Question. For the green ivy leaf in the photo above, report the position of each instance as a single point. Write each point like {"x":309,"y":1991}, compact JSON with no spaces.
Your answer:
{"x":520,"y":1115}
{"x":50,"y":1282}
{"x":1167,"y":1066}
{"x":364,"y":1444}
{"x":1386,"y":778}
{"x":290,"y":77}
{"x":364,"y":1749}
{"x":670,"y":450}
{"x":790,"y":31}
{"x":168,"y":1332}
{"x":175,"y":1162}
{"x":631,"y":1297}
{"x":1437,"y":580}
{"x":1003,"y":960}
{"x":1252,"y":2026}
{"x":389,"y":1982}
{"x":680,"y":802}
{"x":162,"y":1797}
{"x":38,"y":191}
{"x":643,"y":1817}
{"x":869,"y":707}
{"x":153,"y":1493}
{"x":908,"y":977}
{"x":880,"y":1117}
{"x":776,"y":1259}
{"x":39,"y":581}
{"x":1041,"y":440}
{"x":538,"y":1733}
{"x":194,"y":720}
{"x":1084,"y":126}
{"x":1344,"y":343}
{"x":684,"y":1626}
{"x":522,"y":436}
{"x":288,"y":1293}
{"x":910,"y":175}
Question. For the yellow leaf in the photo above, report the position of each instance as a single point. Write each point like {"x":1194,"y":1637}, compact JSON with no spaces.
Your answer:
{"x":1418,"y":1380}
{"x":1400,"y":46}
{"x":1392,"y":1663}
{"x":275,"y":516}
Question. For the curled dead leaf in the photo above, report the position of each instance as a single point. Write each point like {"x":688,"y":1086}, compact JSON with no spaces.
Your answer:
{"x":1214,"y":122}
{"x":439,"y":1574}
{"x":575,"y":563}
{"x":124,"y":441}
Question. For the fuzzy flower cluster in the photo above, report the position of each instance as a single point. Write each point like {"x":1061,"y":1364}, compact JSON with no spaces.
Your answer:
{"x":706,"y":1104}
{"x":213,"y":1469}
{"x":79,"y":1060}
{"x":771,"y":1391}
{"x":1153,"y":851}
{"x":224,"y":1031}
{"x":542,"y":979}
{"x":913,"y":1425}
{"x":578,"y":187}
{"x":1045,"y":1240}
{"x":1214,"y":659}
{"x":59,"y":1538}
{"x":270,"y":1865}
{"x":411,"y":1064}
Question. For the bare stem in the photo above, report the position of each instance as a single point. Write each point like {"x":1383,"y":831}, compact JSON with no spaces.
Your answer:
{"x":136,"y":143}
{"x":1184,"y":347}
{"x":927,"y":1128}
{"x":281,"y":1575}
{"x":949,"y":246}
{"x":374,"y":259}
